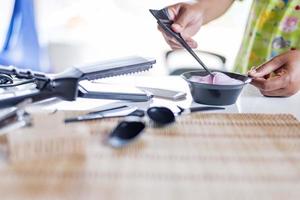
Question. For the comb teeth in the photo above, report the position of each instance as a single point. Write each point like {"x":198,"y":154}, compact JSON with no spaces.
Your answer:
{"x":162,"y":14}
{"x":119,"y":72}
{"x":115,"y":68}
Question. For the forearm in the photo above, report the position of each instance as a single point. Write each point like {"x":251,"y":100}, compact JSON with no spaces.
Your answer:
{"x":213,"y":9}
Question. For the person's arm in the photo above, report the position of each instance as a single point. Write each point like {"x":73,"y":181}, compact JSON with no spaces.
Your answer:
{"x":212,"y":9}
{"x":280,"y":76}
{"x":189,"y":17}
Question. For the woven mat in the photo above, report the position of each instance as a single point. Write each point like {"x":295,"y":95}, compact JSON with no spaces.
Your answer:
{"x":202,"y":156}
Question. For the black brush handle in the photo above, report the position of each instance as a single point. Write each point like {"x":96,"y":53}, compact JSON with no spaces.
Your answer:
{"x":205,"y":108}
{"x":165,"y":23}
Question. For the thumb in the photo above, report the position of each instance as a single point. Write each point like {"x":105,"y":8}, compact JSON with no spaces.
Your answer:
{"x":267,"y":67}
{"x":182,"y":19}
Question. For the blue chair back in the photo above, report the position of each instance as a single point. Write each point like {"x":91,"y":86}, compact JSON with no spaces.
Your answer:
{"x":21,"y":47}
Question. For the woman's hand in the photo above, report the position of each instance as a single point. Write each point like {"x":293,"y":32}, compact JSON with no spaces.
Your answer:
{"x":187,"y":19}
{"x":279,"y":77}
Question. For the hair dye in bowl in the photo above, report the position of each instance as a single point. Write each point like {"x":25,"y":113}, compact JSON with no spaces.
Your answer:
{"x":218,"y":78}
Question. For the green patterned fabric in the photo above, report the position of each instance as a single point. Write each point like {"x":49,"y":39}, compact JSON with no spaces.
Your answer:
{"x":273,"y":28}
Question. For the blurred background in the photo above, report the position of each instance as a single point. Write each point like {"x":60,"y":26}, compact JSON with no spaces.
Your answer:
{"x":78,"y":32}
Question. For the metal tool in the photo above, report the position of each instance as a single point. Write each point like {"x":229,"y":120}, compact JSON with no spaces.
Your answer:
{"x":14,"y":117}
{"x":65,"y":85}
{"x":109,"y":113}
{"x":198,"y":109}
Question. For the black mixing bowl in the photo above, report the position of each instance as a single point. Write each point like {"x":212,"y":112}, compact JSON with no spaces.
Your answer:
{"x":215,"y":94}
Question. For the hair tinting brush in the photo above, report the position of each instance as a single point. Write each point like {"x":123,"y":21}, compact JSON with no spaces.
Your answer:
{"x":162,"y":17}
{"x":65,"y":85}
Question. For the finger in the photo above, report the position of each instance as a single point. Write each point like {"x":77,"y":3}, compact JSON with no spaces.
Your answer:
{"x":173,"y":10}
{"x":160,"y":29}
{"x":182,"y":19}
{"x":280,"y":71}
{"x":275,"y":93}
{"x":172,"y":41}
{"x":163,"y":32}
{"x":266,"y":85}
{"x":267,"y":76}
{"x":176,"y":47}
{"x":270,"y":66}
{"x":253,"y":70}
{"x":173,"y":45}
{"x":258,"y":82}
{"x":271,"y":84}
{"x":283,"y":92}
{"x":167,"y":36}
{"x":192,"y":43}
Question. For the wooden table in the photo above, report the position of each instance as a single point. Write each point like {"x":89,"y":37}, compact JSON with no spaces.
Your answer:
{"x":229,"y":155}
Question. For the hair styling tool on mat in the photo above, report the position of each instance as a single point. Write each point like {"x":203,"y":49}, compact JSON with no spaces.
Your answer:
{"x":64,"y":85}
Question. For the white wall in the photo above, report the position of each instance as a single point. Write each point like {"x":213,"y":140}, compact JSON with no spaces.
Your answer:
{"x":5,"y":15}
{"x":83,"y":31}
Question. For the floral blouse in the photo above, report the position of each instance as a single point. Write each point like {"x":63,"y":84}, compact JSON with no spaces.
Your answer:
{"x":273,"y":28}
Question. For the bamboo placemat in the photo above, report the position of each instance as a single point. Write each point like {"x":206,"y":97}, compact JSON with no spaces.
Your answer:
{"x":202,"y":156}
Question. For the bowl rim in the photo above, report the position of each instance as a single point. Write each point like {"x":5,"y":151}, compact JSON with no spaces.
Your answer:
{"x":247,"y":81}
